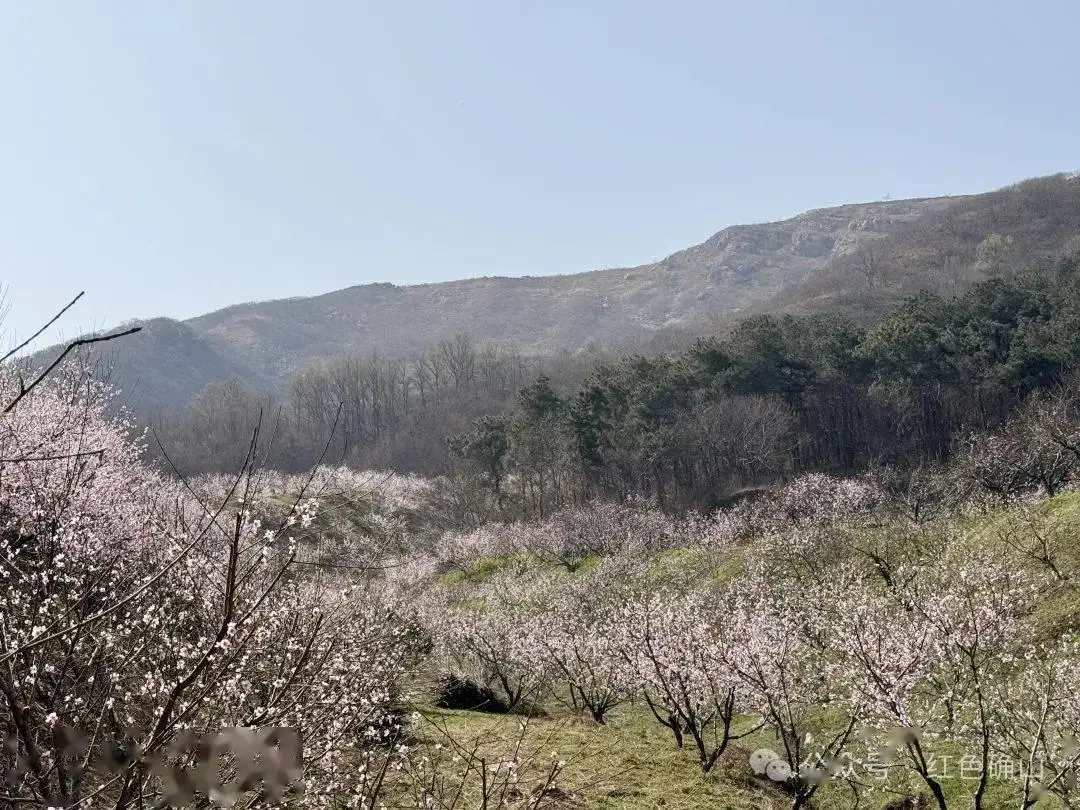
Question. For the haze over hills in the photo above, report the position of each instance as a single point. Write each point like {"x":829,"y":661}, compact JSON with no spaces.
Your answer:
{"x":855,"y":258}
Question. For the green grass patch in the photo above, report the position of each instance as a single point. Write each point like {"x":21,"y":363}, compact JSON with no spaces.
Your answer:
{"x":632,"y":763}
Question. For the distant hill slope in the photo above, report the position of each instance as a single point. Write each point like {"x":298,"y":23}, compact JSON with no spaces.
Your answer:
{"x":945,"y":250}
{"x":814,"y":261}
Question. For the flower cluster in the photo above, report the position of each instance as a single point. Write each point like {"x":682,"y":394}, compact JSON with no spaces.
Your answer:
{"x":127,"y":602}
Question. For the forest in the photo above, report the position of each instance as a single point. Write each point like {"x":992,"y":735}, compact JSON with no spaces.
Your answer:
{"x":688,"y":426}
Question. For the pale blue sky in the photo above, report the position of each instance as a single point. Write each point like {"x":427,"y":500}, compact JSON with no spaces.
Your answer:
{"x":176,"y":157}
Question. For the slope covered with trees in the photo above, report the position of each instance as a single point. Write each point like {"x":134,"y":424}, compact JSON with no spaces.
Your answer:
{"x":840,"y":640}
{"x":773,"y":396}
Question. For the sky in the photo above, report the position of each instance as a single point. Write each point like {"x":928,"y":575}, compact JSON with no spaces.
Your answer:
{"x":174,"y":158}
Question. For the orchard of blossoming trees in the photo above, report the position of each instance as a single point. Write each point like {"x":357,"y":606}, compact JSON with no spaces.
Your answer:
{"x":858,"y":642}
{"x":132,"y":610}
{"x":833,"y":641}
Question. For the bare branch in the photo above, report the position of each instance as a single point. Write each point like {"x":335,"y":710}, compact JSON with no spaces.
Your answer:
{"x":54,"y":319}
{"x":23,"y":391}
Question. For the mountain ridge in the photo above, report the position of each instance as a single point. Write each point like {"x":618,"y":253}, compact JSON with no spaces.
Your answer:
{"x":717,"y":278}
{"x":821,"y":259}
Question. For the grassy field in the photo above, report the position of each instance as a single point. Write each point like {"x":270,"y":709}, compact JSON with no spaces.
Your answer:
{"x":632,"y":763}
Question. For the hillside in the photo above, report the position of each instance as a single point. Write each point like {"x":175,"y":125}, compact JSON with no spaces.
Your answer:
{"x":857,"y":259}
{"x":945,"y":250}
{"x":730,"y":271}
{"x":598,"y":614}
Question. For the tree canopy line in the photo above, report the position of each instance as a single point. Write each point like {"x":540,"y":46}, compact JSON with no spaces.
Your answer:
{"x":771,"y":398}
